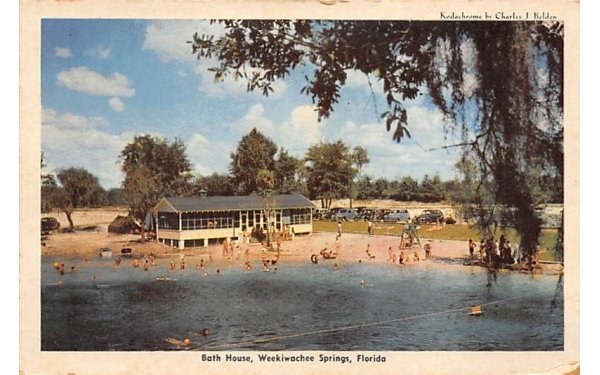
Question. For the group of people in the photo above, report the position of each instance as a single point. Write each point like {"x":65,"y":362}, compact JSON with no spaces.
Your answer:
{"x":404,"y":256}
{"x":286,"y":234}
{"x":500,"y":251}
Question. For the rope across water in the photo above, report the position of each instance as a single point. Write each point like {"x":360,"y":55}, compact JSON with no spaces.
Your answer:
{"x":355,"y":326}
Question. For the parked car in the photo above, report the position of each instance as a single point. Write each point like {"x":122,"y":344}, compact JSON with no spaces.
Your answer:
{"x":380,"y":214}
{"x":49,"y":223}
{"x":320,"y":213}
{"x":430,"y":216}
{"x":450,"y":220}
{"x":368,"y":214}
{"x":330,"y":214}
{"x":397,"y":215}
{"x":346,"y":214}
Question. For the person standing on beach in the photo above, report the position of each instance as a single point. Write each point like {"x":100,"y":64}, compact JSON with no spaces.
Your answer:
{"x":370,"y":227}
{"x":339,"y":228}
{"x":225,"y":247}
{"x":245,"y":237}
{"x":471,"y":248}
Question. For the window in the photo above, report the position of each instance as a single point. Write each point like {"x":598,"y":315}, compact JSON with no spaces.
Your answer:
{"x":207,"y":220}
{"x":300,"y":216}
{"x":168,"y":220}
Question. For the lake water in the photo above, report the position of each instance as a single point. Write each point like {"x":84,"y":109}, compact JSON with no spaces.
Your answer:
{"x":363,"y":306}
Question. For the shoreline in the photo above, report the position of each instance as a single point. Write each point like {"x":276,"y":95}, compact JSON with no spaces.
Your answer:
{"x":445,"y":253}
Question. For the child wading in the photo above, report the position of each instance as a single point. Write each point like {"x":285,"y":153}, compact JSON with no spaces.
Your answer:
{"x":427,"y":251}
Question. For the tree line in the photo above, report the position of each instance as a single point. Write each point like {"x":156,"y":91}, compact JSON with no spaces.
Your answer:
{"x":155,"y":167}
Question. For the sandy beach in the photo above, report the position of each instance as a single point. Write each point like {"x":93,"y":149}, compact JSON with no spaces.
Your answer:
{"x":88,"y":241}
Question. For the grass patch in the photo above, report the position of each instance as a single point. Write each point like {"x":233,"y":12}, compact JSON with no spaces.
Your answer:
{"x":447,"y":232}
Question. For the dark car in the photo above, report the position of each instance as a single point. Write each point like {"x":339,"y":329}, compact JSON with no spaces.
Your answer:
{"x":450,"y":220}
{"x":430,"y":216}
{"x":49,"y":223}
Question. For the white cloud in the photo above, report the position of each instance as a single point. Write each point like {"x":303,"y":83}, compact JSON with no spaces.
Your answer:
{"x":469,"y":56}
{"x":358,"y":80}
{"x":412,"y":156}
{"x":168,"y":39}
{"x":255,"y":118}
{"x":70,"y":140}
{"x":63,"y":53}
{"x":84,"y":80}
{"x":208,"y":156}
{"x":116,"y":104}
{"x":100,"y":53}
{"x":71,"y":121}
{"x":301,"y":129}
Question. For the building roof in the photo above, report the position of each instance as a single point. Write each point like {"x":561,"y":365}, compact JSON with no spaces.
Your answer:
{"x":231,"y":203}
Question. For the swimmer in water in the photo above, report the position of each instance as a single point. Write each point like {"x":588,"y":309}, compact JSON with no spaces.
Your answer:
{"x":218,"y":272}
{"x":172,"y":266}
{"x":336,"y":267}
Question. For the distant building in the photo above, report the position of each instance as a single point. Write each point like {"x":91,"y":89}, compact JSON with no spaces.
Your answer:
{"x":197,"y":221}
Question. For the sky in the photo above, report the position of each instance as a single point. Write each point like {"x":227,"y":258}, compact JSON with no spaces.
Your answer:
{"x":106,"y":81}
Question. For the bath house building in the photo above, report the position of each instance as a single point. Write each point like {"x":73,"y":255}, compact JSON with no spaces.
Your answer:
{"x":197,"y":221}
